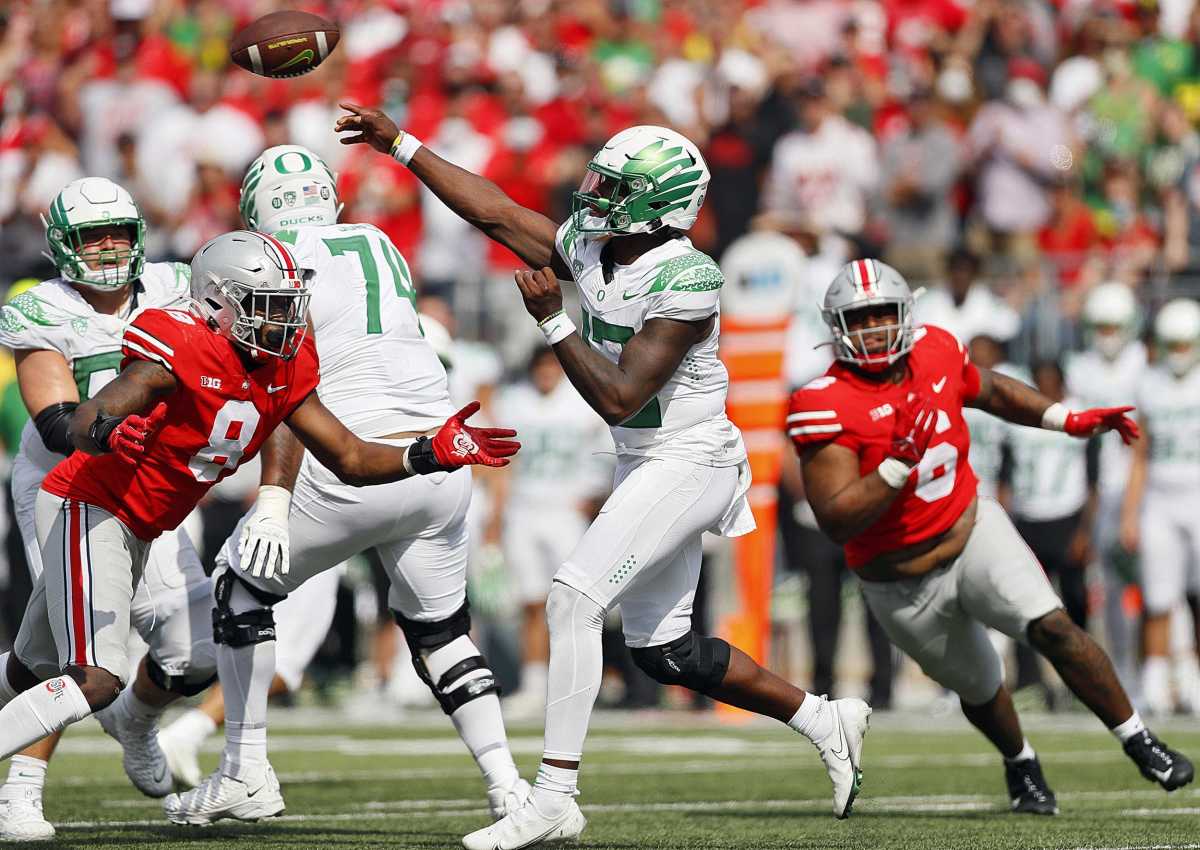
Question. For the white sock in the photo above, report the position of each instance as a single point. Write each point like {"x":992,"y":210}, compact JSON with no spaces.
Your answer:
{"x":46,"y":707}
{"x":27,"y":772}
{"x":479,"y":722}
{"x":813,"y":719}
{"x":554,"y":788}
{"x":1026,"y":753}
{"x":533,"y":678}
{"x":192,"y":727}
{"x":576,"y":666}
{"x":1129,"y":728}
{"x":246,"y":673}
{"x":134,"y":713}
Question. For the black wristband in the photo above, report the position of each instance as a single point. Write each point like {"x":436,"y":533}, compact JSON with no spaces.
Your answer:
{"x":422,"y":459}
{"x":101,"y":429}
{"x":54,"y":425}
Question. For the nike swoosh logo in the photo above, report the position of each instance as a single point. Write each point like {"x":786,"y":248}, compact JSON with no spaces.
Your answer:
{"x":1162,"y":775}
{"x":161,"y":774}
{"x":306,"y":56}
{"x":273,"y":389}
{"x":629,"y":296}
{"x":937,"y":386}
{"x":841,"y":751}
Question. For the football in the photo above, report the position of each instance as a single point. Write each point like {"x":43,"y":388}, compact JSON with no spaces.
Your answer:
{"x":284,"y":44}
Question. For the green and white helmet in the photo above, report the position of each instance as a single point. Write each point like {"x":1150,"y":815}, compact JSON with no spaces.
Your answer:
{"x":643,"y":179}
{"x":87,"y":203}
{"x":288,"y":185}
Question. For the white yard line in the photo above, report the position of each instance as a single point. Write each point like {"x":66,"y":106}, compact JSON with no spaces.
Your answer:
{"x":474,"y":808}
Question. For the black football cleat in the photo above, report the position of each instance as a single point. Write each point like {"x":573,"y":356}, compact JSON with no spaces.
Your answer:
{"x":1028,"y":792}
{"x":1158,"y":762}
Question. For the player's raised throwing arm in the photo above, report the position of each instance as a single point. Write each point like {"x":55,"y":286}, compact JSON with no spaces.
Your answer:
{"x":528,"y":234}
{"x":111,"y":421}
{"x":361,"y":462}
{"x":1018,"y":402}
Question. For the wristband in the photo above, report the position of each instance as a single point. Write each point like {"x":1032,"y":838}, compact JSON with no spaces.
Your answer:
{"x":1055,"y":417}
{"x":556,"y":328}
{"x":894,"y":472}
{"x":404,"y":146}
{"x":419,"y":458}
{"x":101,"y":430}
{"x":275,"y":502}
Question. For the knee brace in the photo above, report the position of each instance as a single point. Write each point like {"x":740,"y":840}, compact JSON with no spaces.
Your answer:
{"x":425,"y":638}
{"x":176,"y":684}
{"x":248,"y":627}
{"x":693,"y":661}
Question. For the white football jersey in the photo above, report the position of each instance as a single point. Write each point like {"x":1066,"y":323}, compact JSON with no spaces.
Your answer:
{"x":1171,"y":409}
{"x":1049,"y":474}
{"x":566,"y":454}
{"x":379,"y":376}
{"x":53,"y":316}
{"x":1099,"y":382}
{"x":686,"y":418}
{"x":987,"y":444}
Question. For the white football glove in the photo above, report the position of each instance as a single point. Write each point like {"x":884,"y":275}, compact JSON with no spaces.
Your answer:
{"x":263,"y":546}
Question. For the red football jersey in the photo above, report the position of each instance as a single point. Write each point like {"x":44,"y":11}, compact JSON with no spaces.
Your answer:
{"x":219,"y":416}
{"x":843,"y":407}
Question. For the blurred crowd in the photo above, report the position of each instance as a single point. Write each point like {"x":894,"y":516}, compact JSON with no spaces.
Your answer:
{"x":1007,"y":155}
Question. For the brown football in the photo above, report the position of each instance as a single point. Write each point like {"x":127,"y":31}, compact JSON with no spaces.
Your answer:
{"x":284,"y":44}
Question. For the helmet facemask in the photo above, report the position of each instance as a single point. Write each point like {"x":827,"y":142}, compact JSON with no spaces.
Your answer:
{"x":851,"y":345}
{"x":643,"y":179}
{"x":264,"y":321}
{"x":112,"y":269}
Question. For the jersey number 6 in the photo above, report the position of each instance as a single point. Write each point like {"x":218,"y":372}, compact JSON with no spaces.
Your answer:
{"x":232,"y":431}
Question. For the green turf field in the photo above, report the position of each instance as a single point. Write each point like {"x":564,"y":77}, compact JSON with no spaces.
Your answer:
{"x":666,"y":781}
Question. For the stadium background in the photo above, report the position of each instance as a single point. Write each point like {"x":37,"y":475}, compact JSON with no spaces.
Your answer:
{"x":1021,"y":151}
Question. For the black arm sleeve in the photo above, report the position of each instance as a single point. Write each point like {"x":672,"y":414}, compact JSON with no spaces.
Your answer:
{"x":53,"y":423}
{"x":1005,"y":474}
{"x":1093,"y":461}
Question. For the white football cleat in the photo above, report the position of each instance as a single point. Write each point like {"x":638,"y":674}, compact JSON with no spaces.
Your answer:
{"x":501,"y":801}
{"x":144,"y":762}
{"x":841,"y":750}
{"x":21,"y":816}
{"x":220,"y":796}
{"x":183,"y":759}
{"x":526,"y":827}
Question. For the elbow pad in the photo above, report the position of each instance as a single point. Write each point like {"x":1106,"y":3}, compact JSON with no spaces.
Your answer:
{"x":54,"y":423}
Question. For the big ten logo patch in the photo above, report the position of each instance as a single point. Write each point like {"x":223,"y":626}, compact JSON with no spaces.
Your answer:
{"x":210,"y":383}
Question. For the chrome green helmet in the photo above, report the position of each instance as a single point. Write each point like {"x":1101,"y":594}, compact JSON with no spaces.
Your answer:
{"x":88,"y":203}
{"x":644,"y":178}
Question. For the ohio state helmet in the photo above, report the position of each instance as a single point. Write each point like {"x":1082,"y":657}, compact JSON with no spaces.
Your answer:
{"x":859,"y":285}
{"x":249,"y":288}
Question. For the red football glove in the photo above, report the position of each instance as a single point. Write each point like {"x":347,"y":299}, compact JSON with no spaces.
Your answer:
{"x":458,"y":444}
{"x":1089,"y":423}
{"x":912,"y":430}
{"x":128,"y":440}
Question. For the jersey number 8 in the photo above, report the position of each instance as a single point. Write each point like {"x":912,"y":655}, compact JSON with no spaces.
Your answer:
{"x":232,"y":431}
